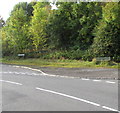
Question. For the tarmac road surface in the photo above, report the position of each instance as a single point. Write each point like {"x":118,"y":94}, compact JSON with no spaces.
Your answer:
{"x":27,"y":89}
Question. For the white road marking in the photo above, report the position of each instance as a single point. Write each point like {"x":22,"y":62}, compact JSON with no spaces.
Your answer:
{"x":110,"y":82}
{"x":16,"y":73}
{"x":85,"y":79}
{"x":4,"y":72}
{"x":35,"y":74}
{"x":108,"y":108}
{"x":76,"y":98}
{"x":11,"y":82}
{"x":31,"y":69}
{"x":69,"y":96}
{"x":22,"y":73}
{"x":97,"y":80}
{"x":15,"y":66}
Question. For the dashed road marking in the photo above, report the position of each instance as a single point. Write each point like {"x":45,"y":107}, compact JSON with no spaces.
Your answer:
{"x":35,"y":74}
{"x":16,"y":73}
{"x":22,"y":73}
{"x":4,"y":72}
{"x":110,"y":82}
{"x":51,"y":75}
{"x":11,"y":82}
{"x":85,"y":79}
{"x":97,"y":80}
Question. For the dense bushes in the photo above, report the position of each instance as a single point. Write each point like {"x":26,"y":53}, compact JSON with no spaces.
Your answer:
{"x":73,"y":54}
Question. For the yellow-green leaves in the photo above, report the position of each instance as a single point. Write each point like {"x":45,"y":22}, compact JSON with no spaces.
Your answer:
{"x":38,"y":22}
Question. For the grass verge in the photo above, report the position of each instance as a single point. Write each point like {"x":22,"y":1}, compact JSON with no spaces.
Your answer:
{"x":58,"y":63}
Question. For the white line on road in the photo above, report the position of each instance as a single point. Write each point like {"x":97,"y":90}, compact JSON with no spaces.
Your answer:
{"x":35,"y":74}
{"x":76,"y":98}
{"x":108,"y":108}
{"x":16,"y":73}
{"x":5,"y":72}
{"x":22,"y":73}
{"x":85,"y":79}
{"x":11,"y":82}
{"x":97,"y":80}
{"x":31,"y":69}
{"x":69,"y":96}
{"x":110,"y":82}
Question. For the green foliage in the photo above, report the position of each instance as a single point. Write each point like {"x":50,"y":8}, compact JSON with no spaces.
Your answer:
{"x":38,"y":23}
{"x":107,"y":33}
{"x":6,"y":42}
{"x":72,"y":24}
{"x":77,"y":55}
{"x":74,"y":31}
{"x":83,"y":23}
{"x":58,"y":29}
{"x":15,"y":34}
{"x":17,"y":26}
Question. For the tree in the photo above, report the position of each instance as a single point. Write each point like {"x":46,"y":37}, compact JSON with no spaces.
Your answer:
{"x":58,"y":28}
{"x":2,"y":22}
{"x":107,"y":33}
{"x":72,"y":24}
{"x":86,"y":17}
{"x":38,"y":23}
{"x":17,"y":27}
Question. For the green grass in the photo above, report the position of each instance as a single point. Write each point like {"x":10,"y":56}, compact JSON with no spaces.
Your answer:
{"x":58,"y":63}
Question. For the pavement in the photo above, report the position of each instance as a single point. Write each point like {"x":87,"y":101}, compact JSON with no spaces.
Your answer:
{"x":29,"y":89}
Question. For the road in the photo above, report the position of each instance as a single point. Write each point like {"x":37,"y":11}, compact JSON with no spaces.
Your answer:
{"x":27,"y":89}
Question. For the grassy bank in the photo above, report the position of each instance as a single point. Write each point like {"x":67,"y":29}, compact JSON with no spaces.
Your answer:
{"x":58,"y":63}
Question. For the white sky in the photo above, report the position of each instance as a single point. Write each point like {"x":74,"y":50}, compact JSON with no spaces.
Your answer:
{"x":7,"y":5}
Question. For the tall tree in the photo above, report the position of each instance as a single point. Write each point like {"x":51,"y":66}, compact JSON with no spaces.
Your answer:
{"x":2,"y":22}
{"x":107,"y":40}
{"x":17,"y":27}
{"x":58,"y":27}
{"x":72,"y":24}
{"x":83,"y":24}
{"x":38,"y":23}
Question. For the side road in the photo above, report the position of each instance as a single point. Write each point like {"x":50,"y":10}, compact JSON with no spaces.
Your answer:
{"x":91,"y":73}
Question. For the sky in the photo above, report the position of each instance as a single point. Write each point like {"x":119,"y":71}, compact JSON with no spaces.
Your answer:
{"x":7,"y":5}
